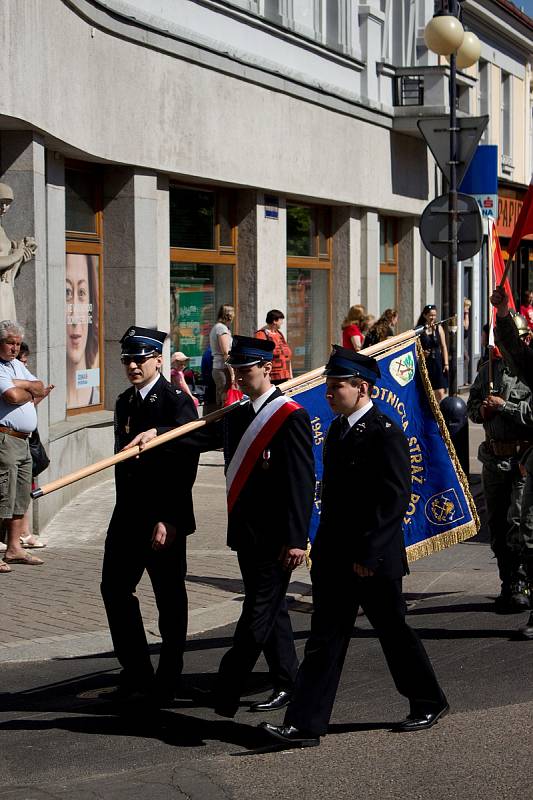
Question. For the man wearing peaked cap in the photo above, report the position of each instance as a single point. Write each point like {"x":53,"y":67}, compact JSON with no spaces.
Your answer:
{"x":142,"y":341}
{"x":270,"y":483}
{"x":359,"y":559}
{"x":247,"y":351}
{"x":344,"y":363}
{"x":152,"y":517}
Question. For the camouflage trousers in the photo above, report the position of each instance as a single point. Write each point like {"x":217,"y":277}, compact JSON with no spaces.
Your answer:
{"x":526,"y":526}
{"x":509,"y":519}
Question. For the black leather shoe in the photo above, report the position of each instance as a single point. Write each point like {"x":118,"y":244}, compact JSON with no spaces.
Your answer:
{"x":421,"y":722}
{"x":290,"y":736}
{"x":278,"y":699}
{"x":527,"y":631}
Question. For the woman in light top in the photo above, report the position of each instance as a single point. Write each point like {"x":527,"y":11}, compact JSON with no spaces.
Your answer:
{"x":220,"y":340}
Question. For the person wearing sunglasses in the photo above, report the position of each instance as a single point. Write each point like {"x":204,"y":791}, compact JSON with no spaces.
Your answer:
{"x":152,"y":517}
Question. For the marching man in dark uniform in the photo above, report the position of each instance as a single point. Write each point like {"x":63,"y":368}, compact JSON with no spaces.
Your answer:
{"x":359,"y":559}
{"x":270,"y":491}
{"x":153,"y":516}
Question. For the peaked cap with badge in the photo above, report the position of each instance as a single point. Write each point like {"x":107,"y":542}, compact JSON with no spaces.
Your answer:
{"x":142,"y":341}
{"x":344,"y":363}
{"x":247,"y":351}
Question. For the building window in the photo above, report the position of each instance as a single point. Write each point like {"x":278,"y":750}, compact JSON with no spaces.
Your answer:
{"x":308,"y":285}
{"x":83,"y":289}
{"x":203,"y":259}
{"x":388,"y":267}
{"x":483,"y":96}
{"x":506,"y":110}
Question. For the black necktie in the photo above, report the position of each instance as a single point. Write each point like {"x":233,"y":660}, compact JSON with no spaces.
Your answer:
{"x":344,"y":427}
{"x":138,"y":401}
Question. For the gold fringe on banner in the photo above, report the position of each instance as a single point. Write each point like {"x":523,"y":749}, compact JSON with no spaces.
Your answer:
{"x":442,"y":540}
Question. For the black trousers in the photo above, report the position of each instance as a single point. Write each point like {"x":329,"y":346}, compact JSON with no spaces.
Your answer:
{"x":336,"y":600}
{"x":263,"y":627}
{"x":128,"y":553}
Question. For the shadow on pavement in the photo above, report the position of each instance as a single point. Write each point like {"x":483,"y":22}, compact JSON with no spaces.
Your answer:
{"x":177,"y":730}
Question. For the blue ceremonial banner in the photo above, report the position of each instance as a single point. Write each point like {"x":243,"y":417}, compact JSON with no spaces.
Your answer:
{"x":441,"y":511}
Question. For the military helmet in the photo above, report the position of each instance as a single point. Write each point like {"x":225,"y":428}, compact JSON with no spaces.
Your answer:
{"x":521,"y":324}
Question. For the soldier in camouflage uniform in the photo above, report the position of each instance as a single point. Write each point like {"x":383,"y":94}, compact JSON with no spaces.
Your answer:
{"x":506,"y":413}
{"x":520,"y":355}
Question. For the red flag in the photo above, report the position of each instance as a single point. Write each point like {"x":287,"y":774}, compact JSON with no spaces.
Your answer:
{"x":498,"y":265}
{"x":524,"y":223}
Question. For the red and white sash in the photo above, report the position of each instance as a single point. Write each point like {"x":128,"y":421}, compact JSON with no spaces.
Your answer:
{"x":256,"y":438}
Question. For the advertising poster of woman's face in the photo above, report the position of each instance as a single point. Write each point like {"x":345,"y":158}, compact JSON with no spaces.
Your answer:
{"x":82,"y":303}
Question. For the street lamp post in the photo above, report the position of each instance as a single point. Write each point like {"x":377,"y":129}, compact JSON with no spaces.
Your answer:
{"x":445,"y":35}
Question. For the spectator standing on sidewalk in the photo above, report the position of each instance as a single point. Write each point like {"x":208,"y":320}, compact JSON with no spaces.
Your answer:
{"x":281,"y":362}
{"x":526,"y":309}
{"x":435,"y":351}
{"x":520,"y":356}
{"x":19,"y":391}
{"x":352,"y":338}
{"x":220,"y":343}
{"x":178,"y":363}
{"x":506,"y":413}
{"x":28,"y":539}
{"x":359,"y":559}
{"x":383,"y":328}
{"x":151,"y":520}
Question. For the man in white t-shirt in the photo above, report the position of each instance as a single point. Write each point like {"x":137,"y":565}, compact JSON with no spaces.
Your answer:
{"x":19,"y":391}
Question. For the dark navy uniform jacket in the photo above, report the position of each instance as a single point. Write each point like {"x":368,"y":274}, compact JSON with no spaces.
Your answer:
{"x":366,"y":490}
{"x":157,"y":486}
{"x":274,"y":507}
{"x":275,"y":504}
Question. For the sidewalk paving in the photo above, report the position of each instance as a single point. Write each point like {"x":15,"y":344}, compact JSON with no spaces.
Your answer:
{"x":55,"y":611}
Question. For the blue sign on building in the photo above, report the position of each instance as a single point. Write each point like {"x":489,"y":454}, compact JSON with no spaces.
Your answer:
{"x":481,"y":179}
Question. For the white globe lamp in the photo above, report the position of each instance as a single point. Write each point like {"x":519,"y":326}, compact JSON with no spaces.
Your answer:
{"x":444,"y":34}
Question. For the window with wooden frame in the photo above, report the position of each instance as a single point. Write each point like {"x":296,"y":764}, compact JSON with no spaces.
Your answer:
{"x":83,"y":288}
{"x":309,"y":268}
{"x":203,"y":262}
{"x":388,"y":267}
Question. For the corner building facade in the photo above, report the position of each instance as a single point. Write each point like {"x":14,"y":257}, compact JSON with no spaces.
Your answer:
{"x":180,"y":154}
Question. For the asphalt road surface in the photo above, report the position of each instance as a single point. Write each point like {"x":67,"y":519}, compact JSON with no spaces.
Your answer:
{"x":60,"y":737}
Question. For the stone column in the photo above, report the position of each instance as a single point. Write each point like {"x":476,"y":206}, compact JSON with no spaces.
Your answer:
{"x":136,"y":263}
{"x":409,"y":273}
{"x":247,"y":262}
{"x":346,"y":283}
{"x":370,"y":262}
{"x":271,"y":260}
{"x":55,"y":254}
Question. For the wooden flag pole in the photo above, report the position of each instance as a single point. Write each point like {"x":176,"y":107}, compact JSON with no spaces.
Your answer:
{"x":183,"y":430}
{"x":506,"y":271}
